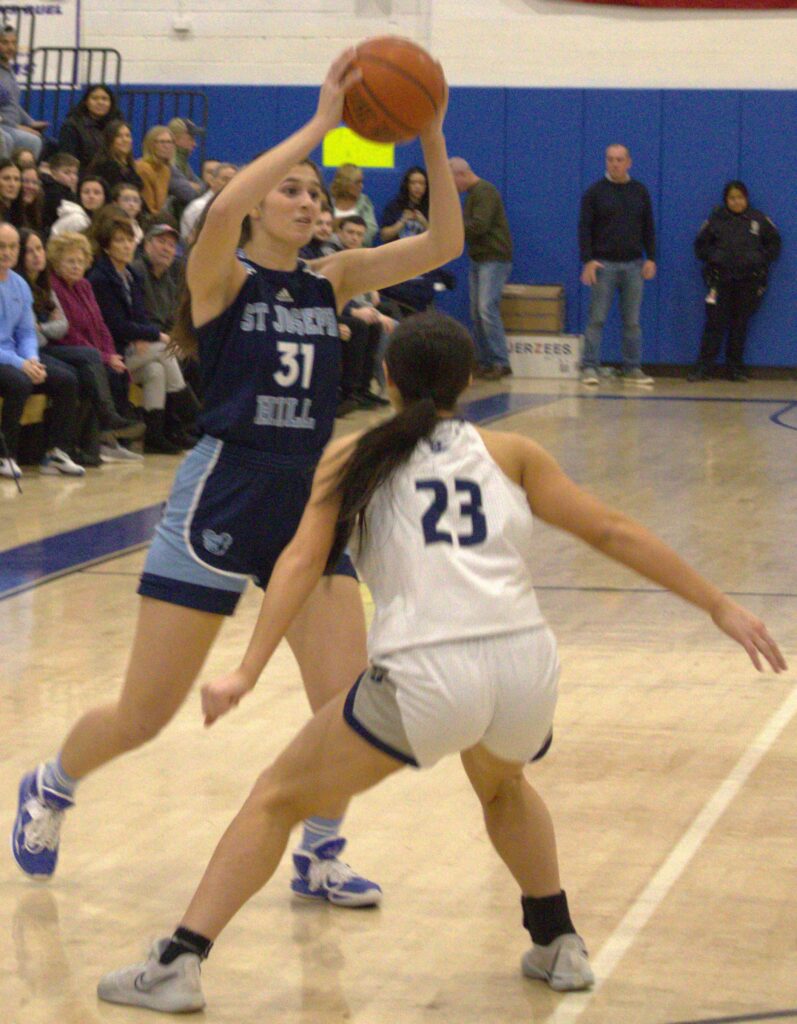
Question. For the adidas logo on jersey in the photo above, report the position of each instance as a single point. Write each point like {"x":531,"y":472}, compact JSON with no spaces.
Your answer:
{"x":283,"y":295}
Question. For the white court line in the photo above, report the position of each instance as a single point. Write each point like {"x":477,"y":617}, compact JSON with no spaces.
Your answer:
{"x":626,"y":932}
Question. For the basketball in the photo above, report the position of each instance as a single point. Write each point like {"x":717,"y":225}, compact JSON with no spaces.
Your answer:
{"x":400,"y":92}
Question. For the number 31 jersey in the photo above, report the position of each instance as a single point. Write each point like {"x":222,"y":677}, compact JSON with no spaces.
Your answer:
{"x":270,"y":364}
{"x":446,"y":554}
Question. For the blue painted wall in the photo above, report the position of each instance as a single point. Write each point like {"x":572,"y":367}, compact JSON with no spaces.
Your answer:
{"x":543,"y":147}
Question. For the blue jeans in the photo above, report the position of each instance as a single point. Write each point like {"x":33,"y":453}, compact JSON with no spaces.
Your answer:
{"x":17,"y":137}
{"x":627,"y":279}
{"x":486,"y":282}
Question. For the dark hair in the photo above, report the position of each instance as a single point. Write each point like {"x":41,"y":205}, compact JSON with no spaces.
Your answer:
{"x":81,"y":107}
{"x":353,"y":219}
{"x":43,"y":302}
{"x":403,"y":194}
{"x":13,"y":211}
{"x":109,"y":133}
{"x":32,"y":213}
{"x":101,"y":182}
{"x":739,"y":186}
{"x":429,"y":359}
{"x":184,"y":342}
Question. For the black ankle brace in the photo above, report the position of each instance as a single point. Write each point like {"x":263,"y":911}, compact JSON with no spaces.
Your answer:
{"x":546,"y":917}
{"x":186,"y":941}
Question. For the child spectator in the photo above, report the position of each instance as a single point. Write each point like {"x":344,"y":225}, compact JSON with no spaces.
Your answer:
{"x":93,"y":195}
{"x":128,"y":197}
{"x":58,"y":185}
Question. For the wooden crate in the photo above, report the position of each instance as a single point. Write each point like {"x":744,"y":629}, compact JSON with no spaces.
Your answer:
{"x":533,"y":308}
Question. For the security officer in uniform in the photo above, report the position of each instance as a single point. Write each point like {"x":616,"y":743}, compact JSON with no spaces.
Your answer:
{"x":737,"y":244}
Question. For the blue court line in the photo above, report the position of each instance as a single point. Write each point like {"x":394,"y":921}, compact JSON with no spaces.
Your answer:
{"x":30,"y":565}
{"x":776,"y":417}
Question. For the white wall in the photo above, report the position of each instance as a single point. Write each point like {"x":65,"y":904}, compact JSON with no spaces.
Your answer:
{"x":480,"y":42}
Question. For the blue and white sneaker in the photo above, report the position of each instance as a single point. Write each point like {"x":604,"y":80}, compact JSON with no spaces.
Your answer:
{"x":321,"y":876}
{"x":34,"y":841}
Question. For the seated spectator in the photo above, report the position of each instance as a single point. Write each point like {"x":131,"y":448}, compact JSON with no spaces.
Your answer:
{"x":207,"y":170}
{"x":155,"y":167}
{"x":114,"y":162}
{"x":346,"y":190}
{"x":120,"y":297}
{"x":323,"y":242}
{"x":737,"y":245}
{"x":22,"y":372}
{"x":92,"y":196}
{"x":365,"y":321}
{"x":185,"y":185}
{"x":82,"y":131}
{"x":128,"y":197}
{"x":160,"y":273}
{"x":23,"y":157}
{"x":408,"y":213}
{"x":70,"y":256}
{"x":85,"y":362}
{"x":190,"y":218}
{"x":11,"y":206}
{"x":17,"y":127}
{"x":32,"y":199}
{"x":59,"y":184}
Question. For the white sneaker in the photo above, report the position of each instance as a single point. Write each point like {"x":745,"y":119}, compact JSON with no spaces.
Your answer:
{"x":57,"y":462}
{"x":564,"y":964}
{"x":638,"y":377}
{"x":589,"y":378}
{"x":170,"y":988}
{"x":118,"y":453}
{"x":10,"y":469}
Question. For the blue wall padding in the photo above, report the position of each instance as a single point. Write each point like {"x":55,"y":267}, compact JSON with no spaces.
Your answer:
{"x":543,"y":147}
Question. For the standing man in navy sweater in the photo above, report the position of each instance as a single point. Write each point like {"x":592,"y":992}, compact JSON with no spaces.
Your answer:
{"x":617,"y":241}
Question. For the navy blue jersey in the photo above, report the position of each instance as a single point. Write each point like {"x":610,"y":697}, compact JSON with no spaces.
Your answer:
{"x":270,"y":364}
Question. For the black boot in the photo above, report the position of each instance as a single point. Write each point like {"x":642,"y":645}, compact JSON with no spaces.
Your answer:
{"x":182,"y":408}
{"x":155,"y":441}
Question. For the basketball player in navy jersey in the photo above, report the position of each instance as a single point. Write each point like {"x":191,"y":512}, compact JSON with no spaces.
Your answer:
{"x":466,"y":665}
{"x":264,"y":326}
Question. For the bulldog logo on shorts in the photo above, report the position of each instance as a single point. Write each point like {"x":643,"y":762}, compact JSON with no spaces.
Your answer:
{"x":216,"y":543}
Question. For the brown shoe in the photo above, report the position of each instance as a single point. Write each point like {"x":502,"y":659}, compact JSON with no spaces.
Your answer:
{"x":506,"y":371}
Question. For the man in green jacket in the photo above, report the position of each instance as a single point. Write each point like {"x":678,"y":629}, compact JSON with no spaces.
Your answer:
{"x":489,"y":243}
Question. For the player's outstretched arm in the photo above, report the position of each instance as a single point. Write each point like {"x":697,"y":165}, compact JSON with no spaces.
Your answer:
{"x":297,"y":571}
{"x":360,"y":270}
{"x":554,"y":497}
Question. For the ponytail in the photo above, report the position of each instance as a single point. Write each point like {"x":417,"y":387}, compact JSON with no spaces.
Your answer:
{"x":378,"y":454}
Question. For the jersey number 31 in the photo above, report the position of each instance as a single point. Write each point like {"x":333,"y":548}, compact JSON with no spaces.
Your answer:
{"x":469,"y":496}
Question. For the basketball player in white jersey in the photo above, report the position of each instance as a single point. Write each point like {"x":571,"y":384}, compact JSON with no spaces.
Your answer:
{"x":438,"y":516}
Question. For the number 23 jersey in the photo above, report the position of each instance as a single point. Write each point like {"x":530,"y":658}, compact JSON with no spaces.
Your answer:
{"x":447,"y":551}
{"x":270,"y":364}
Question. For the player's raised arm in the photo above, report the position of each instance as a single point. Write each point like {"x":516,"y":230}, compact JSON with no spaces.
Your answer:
{"x":361,"y":270}
{"x":213,"y":274}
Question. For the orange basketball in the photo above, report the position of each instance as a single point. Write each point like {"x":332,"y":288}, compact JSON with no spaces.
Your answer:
{"x":400,"y":92}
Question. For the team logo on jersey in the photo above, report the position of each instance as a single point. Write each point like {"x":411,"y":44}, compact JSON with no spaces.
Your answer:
{"x":216,"y":543}
{"x":283,"y":295}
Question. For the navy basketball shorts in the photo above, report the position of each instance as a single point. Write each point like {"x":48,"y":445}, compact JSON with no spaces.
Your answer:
{"x":422,"y":703}
{"x":231,"y":512}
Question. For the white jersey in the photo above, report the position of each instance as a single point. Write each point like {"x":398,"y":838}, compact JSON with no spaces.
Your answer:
{"x":446,"y":554}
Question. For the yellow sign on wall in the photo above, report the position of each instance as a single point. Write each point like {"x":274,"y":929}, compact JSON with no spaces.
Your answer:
{"x":343,"y":146}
